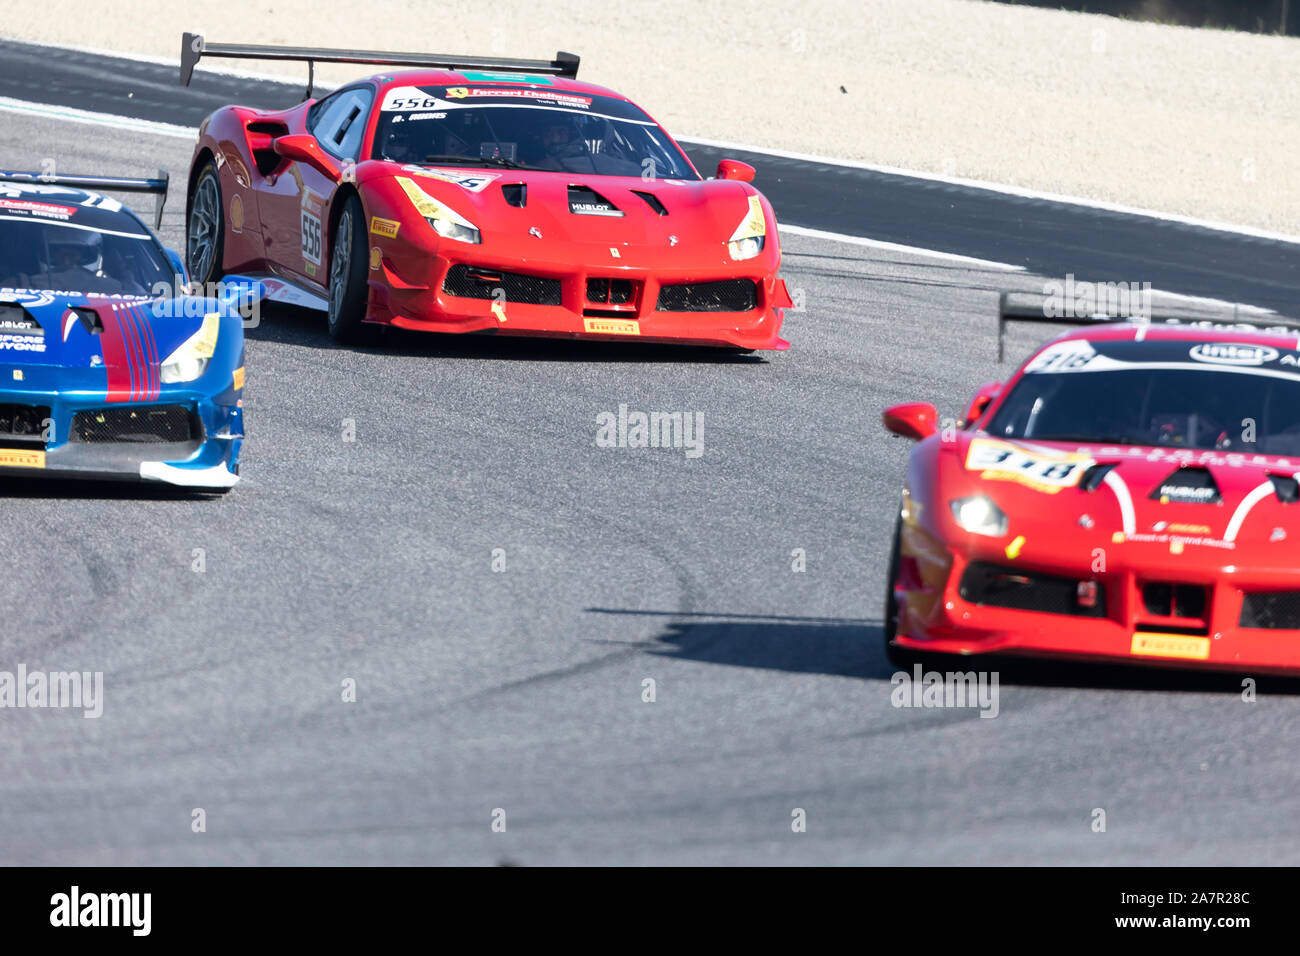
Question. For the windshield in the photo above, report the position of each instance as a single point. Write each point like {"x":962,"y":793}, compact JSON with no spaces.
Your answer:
{"x":524,"y":127}
{"x":1242,"y":410}
{"x":95,"y":251}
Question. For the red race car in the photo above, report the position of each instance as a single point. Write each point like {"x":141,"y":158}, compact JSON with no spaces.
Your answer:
{"x":1131,"y":494}
{"x":481,"y":195}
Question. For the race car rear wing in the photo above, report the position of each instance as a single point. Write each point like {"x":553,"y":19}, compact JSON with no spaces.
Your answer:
{"x":194,"y":46}
{"x":1045,"y":309}
{"x":116,"y":184}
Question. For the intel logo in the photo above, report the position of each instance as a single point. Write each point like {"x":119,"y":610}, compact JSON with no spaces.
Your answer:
{"x":1230,"y":353}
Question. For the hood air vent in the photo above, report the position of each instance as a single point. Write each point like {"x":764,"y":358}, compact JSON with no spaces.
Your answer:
{"x":15,"y":320}
{"x":1193,"y":486}
{"x":653,"y":202}
{"x":516,"y":194}
{"x":585,"y":201}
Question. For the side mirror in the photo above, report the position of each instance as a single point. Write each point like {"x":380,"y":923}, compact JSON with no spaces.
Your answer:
{"x":914,"y":420}
{"x":983,"y":398}
{"x":735,"y":169}
{"x":305,"y":149}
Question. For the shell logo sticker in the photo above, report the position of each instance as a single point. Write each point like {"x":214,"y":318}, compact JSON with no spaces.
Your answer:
{"x":238,"y":381}
{"x":236,"y":213}
{"x":384,"y":227}
{"x":1042,"y":471}
{"x":16,"y":458}
{"x":376,"y":257}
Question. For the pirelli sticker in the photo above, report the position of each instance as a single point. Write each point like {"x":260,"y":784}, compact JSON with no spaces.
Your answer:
{"x":1043,"y":471}
{"x":21,"y":458}
{"x":384,"y":227}
{"x":612,"y":326}
{"x":1182,"y":646}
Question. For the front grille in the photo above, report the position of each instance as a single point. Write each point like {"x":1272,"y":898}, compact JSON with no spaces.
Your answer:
{"x":152,"y":423}
{"x":1272,"y":610}
{"x":24,"y":423}
{"x":1174,"y":600}
{"x":729,"y":295}
{"x":471,"y":282}
{"x":612,"y":291}
{"x":997,"y":586}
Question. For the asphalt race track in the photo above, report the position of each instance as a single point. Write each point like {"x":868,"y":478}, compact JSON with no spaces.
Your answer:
{"x":521,"y":689}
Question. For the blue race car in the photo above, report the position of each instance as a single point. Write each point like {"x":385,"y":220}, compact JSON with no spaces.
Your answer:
{"x":109,"y":367}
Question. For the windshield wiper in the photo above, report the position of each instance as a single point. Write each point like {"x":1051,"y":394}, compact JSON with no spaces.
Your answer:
{"x":472,"y":161}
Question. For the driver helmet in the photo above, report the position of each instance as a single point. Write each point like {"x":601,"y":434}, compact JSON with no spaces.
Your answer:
{"x":74,"y":248}
{"x":562,"y":136}
{"x":400,"y":145}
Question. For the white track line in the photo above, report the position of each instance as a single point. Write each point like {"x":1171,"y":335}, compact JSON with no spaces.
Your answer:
{"x":72,"y":115}
{"x":1006,"y":190}
{"x":896,"y":247}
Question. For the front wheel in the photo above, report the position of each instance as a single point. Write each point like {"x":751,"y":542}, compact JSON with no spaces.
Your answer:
{"x":205,"y":235}
{"x":901,"y":657}
{"x":348,"y":290}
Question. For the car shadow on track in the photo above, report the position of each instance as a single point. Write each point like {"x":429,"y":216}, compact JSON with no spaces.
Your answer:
{"x":854,"y":647}
{"x":73,"y":489}
{"x":307,"y":327}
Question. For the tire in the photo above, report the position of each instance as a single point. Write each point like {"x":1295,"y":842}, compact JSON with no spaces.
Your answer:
{"x":205,"y":231}
{"x":347,"y":284}
{"x":901,"y":657}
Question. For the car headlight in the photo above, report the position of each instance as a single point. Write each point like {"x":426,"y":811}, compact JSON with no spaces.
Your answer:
{"x":191,"y":360}
{"x":445,"y":221}
{"x":452,"y":226}
{"x":751,"y":235}
{"x":979,"y":515}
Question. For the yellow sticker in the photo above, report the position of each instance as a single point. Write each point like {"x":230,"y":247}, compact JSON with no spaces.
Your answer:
{"x":376,"y":257}
{"x":17,"y":458}
{"x":1047,"y":472}
{"x":384,"y":227}
{"x":1013,"y":549}
{"x":754,"y":224}
{"x":612,"y":326}
{"x":239,"y":378}
{"x":424,"y":203}
{"x":204,"y":341}
{"x":499,"y":311}
{"x":1187,"y":647}
{"x":236,"y":213}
